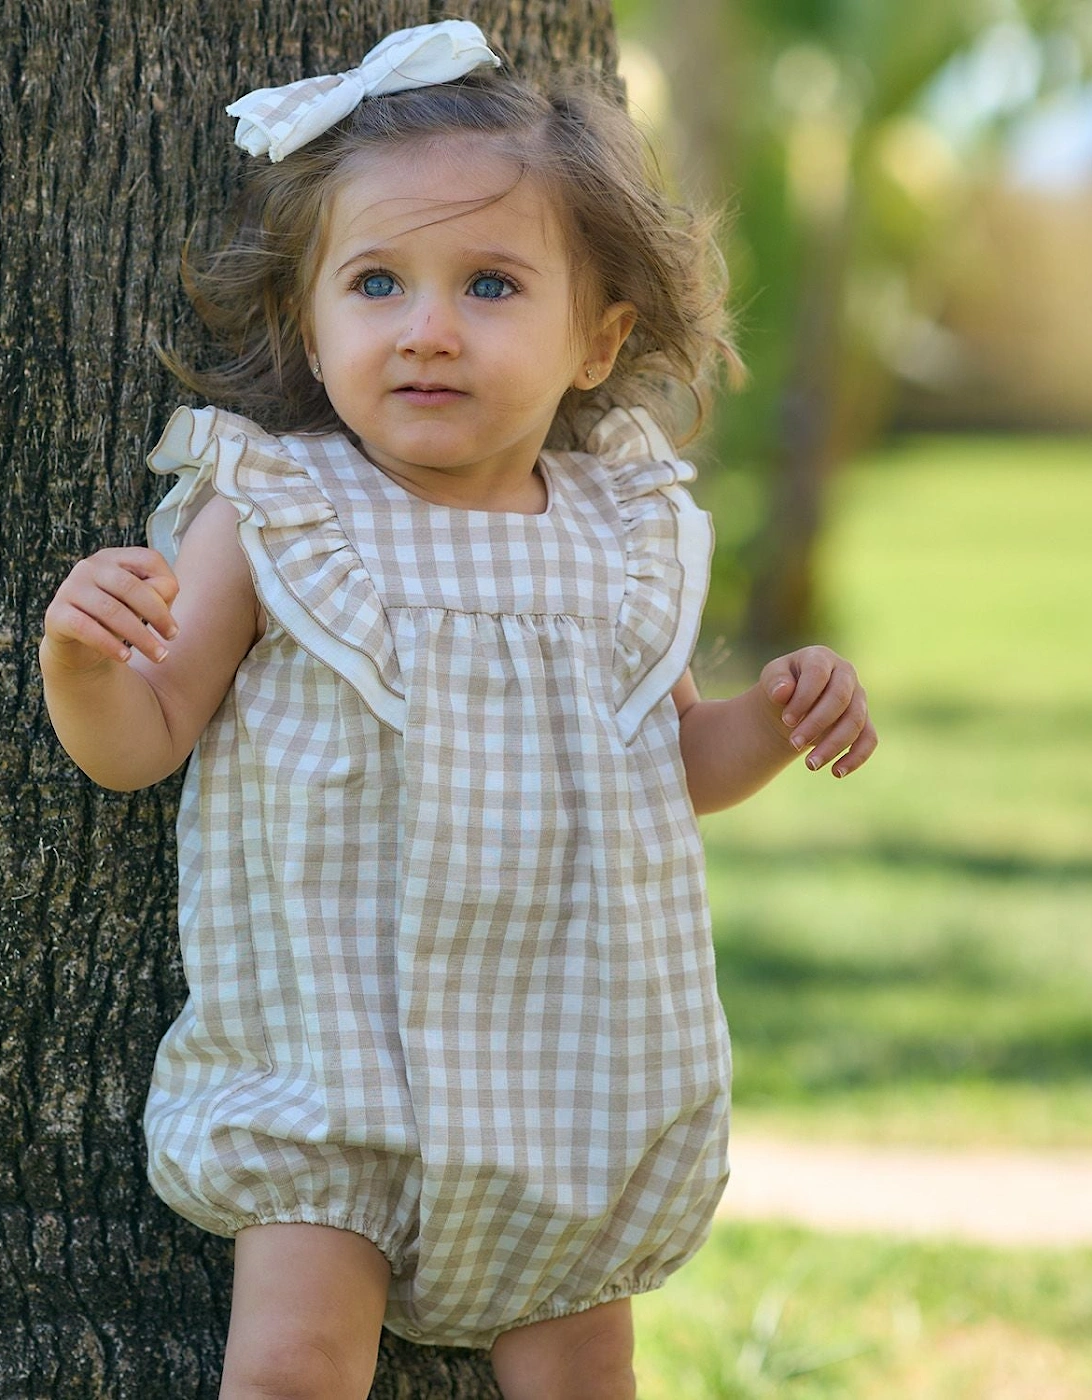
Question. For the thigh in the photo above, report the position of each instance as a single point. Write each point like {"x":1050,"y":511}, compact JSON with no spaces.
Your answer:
{"x":307,"y":1306}
{"x":585,"y":1356}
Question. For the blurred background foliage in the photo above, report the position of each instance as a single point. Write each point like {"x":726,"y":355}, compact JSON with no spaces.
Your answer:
{"x":906,"y":957}
{"x":909,"y":196}
{"x":907,"y":476}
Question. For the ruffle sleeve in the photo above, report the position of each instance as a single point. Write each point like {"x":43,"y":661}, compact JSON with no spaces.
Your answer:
{"x":307,"y":575}
{"x":668,"y":545}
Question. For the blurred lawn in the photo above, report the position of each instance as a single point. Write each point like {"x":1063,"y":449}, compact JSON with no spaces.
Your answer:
{"x":908,"y":954}
{"x":766,"y":1311}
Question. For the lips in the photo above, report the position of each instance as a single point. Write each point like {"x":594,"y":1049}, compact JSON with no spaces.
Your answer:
{"x":426,"y":394}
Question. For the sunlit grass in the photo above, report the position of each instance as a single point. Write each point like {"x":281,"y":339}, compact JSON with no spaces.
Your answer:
{"x":963,"y":566}
{"x":770,"y":1311}
{"x":908,"y":954}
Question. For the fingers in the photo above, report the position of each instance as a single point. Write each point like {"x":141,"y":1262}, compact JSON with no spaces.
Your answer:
{"x":112,"y":604}
{"x":862,"y":749}
{"x":779,"y":678}
{"x":850,"y":741}
{"x":825,"y":707}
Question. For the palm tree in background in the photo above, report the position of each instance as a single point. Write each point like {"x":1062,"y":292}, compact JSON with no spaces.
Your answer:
{"x":808,"y":120}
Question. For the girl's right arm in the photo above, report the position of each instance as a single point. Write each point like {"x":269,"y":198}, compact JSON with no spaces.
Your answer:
{"x":136,"y":658}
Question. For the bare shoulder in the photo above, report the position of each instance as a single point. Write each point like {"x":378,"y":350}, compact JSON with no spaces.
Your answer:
{"x":219,"y":619}
{"x":212,"y":567}
{"x":214,"y":531}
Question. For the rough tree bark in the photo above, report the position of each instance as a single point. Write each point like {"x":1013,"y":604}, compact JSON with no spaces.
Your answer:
{"x":115,"y":145}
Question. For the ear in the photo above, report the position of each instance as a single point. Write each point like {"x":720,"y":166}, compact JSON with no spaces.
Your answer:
{"x":604,"y":343}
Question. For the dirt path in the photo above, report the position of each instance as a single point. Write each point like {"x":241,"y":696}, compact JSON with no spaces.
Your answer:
{"x":991,"y":1197}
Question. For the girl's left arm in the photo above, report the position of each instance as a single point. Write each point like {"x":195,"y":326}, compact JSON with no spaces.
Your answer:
{"x":809,"y":699}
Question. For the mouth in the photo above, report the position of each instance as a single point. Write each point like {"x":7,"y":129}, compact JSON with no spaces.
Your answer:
{"x":427,"y":394}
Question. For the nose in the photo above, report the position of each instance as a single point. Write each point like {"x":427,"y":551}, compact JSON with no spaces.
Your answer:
{"x":430,"y":327}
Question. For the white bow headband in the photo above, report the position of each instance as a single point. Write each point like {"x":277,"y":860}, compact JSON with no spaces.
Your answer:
{"x":278,"y":121}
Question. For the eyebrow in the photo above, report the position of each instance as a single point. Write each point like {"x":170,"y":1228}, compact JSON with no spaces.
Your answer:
{"x":481,"y":257}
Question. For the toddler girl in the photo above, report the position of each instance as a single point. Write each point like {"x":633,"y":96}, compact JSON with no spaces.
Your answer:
{"x":453,"y":1057}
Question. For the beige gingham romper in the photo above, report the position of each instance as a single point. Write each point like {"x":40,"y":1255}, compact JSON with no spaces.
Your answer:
{"x":442,"y":898}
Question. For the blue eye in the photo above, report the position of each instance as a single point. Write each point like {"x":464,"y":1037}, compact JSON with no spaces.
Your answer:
{"x":490,"y":287}
{"x":378,"y":284}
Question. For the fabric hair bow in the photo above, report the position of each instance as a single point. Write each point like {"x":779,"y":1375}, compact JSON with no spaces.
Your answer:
{"x":278,"y":121}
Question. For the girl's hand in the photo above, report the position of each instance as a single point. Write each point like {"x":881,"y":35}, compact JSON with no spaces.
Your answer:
{"x":817,"y":698}
{"x":114,"y":603}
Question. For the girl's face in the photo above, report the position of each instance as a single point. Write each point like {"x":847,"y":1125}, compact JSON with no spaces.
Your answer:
{"x":442,"y":318}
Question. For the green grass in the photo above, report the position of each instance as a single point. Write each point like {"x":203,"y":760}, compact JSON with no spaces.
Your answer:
{"x":908,"y":955}
{"x":771,"y":1311}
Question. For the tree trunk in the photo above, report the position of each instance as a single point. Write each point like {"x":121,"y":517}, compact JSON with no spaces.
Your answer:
{"x":115,"y":147}
{"x":781,"y":606}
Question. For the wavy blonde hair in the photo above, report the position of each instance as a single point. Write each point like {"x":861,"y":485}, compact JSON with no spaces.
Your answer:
{"x":627,"y":243}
